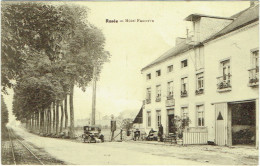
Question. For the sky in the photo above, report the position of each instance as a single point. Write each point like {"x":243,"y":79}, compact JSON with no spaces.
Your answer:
{"x":133,"y":45}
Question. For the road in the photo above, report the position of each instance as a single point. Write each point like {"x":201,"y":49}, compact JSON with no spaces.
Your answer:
{"x":100,"y":153}
{"x":133,"y":153}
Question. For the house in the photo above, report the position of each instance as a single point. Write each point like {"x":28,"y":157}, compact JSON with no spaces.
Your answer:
{"x":211,"y":77}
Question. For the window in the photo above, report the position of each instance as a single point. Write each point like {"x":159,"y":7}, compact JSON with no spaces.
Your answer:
{"x":158,"y":73}
{"x":185,"y":115}
{"x":224,"y":82}
{"x":148,"y":95}
{"x":200,"y":83}
{"x":158,"y":93}
{"x":225,"y":69}
{"x":170,"y":89}
{"x":184,"y":86}
{"x":170,"y":68}
{"x":255,"y":58}
{"x":254,"y":71}
{"x":200,"y":115}
{"x":149,"y":122}
{"x":148,"y":76}
{"x":158,"y":117}
{"x":184,"y":63}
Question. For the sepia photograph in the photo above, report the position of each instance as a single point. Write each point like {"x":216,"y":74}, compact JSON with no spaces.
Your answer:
{"x":130,"y":82}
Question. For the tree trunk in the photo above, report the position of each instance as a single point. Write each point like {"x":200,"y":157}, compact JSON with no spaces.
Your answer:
{"x":49,"y":119}
{"x":26,"y":124}
{"x":45,"y":121}
{"x":54,"y":119}
{"x":30,"y":122}
{"x":57,"y":117}
{"x":66,"y":112}
{"x":33,"y":121}
{"x":38,"y":123}
{"x":72,"y":131}
{"x":62,"y":116}
{"x":41,"y":120}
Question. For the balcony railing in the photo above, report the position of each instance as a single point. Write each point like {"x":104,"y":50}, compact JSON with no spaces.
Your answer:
{"x":148,"y":101}
{"x":253,"y":77}
{"x":170,"y":101}
{"x":184,"y":93}
{"x":199,"y":91}
{"x":158,"y":99}
{"x":224,"y":83}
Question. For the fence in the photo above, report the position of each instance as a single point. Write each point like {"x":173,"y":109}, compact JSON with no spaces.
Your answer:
{"x":195,"y":135}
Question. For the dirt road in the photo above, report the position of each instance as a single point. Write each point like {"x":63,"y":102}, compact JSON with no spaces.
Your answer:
{"x":137,"y":153}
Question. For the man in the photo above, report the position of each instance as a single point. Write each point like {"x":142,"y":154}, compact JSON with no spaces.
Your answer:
{"x":160,"y":133}
{"x":136,"y":134}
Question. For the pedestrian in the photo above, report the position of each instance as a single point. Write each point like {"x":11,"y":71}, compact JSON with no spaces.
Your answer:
{"x":160,"y":133}
{"x":136,"y":134}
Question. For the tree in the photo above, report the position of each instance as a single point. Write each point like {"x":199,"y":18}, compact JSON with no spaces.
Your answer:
{"x":53,"y":48}
{"x":127,"y":124}
{"x":4,"y":112}
{"x":36,"y":26}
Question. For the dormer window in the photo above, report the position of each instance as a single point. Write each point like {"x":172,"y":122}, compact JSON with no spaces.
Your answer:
{"x":184,"y":63}
{"x":148,"y":76}
{"x":158,"y":73}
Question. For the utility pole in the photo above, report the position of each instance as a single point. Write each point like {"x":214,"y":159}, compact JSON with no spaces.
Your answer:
{"x":94,"y":97}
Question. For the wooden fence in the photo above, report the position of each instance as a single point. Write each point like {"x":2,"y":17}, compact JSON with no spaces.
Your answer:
{"x":195,"y":135}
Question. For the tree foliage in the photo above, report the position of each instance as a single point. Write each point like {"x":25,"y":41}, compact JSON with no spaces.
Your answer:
{"x":46,"y":50}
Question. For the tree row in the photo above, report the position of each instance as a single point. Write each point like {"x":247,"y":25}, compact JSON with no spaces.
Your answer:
{"x":47,"y":50}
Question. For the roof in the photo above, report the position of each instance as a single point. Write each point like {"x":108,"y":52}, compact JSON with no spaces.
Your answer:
{"x":247,"y":17}
{"x":182,"y":47}
{"x":194,"y":17}
{"x":139,"y":117}
{"x":241,"y":19}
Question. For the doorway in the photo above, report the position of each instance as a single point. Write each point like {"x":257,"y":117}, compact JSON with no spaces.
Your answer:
{"x":170,"y":121}
{"x":243,"y":123}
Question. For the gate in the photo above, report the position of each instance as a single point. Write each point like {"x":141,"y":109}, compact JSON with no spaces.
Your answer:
{"x":195,"y":135}
{"x":221,"y":123}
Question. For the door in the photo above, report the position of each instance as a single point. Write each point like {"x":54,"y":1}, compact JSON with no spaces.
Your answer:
{"x":221,"y":123}
{"x":171,"y":123}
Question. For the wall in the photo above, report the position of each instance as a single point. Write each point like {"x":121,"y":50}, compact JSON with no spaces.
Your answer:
{"x":236,"y":46}
{"x":174,"y":76}
{"x":209,"y":26}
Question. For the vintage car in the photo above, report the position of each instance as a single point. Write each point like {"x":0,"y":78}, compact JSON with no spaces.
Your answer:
{"x":152,"y":136}
{"x":92,"y":134}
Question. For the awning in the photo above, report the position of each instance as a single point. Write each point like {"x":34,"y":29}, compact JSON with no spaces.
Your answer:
{"x":139,"y":117}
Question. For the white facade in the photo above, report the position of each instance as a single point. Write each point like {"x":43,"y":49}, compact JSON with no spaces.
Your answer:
{"x":236,"y":47}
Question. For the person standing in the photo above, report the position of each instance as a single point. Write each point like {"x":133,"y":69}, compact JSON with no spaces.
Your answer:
{"x":160,"y":133}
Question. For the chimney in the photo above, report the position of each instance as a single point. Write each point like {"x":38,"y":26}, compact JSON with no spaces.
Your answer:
{"x":253,"y":3}
{"x":179,"y":40}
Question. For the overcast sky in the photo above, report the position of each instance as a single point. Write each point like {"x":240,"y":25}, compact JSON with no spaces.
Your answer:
{"x":134,"y":45}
